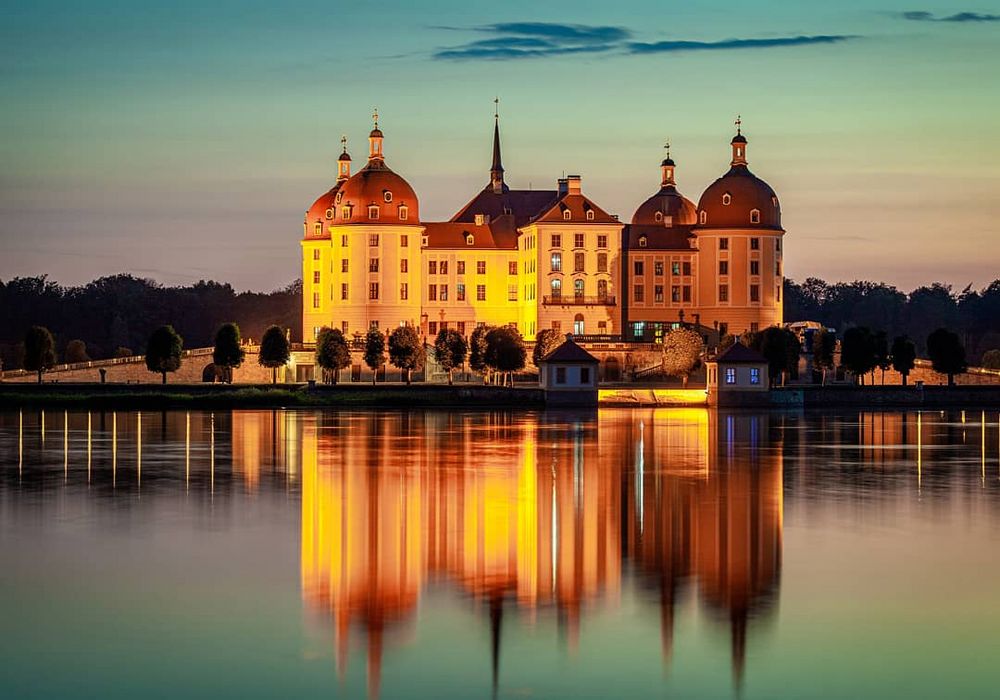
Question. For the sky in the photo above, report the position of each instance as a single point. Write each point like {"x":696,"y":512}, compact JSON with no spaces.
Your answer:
{"x":184,"y":140}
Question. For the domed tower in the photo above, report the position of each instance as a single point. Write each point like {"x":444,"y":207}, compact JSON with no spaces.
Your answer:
{"x":371,"y":275}
{"x":667,"y":207}
{"x":739,"y":238}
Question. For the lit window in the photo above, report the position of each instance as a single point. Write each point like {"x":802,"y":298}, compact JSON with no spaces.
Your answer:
{"x":443,"y":267}
{"x":443,"y":292}
{"x":373,"y":211}
{"x":556,"y":289}
{"x":657,"y":292}
{"x":755,"y":216}
{"x":387,"y":196}
{"x":590,"y":215}
{"x":730,"y":375}
{"x":460,"y":291}
{"x":675,"y":293}
{"x":755,"y":375}
{"x":480,"y":219}
{"x":727,"y":199}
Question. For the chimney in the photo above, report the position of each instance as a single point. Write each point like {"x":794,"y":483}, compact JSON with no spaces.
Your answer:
{"x":573,"y":183}
{"x":563,"y":185}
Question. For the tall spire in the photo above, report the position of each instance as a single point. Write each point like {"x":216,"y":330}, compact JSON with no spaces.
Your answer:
{"x":496,"y":169}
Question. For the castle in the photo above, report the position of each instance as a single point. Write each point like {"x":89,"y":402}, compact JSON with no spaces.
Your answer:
{"x":535,"y":259}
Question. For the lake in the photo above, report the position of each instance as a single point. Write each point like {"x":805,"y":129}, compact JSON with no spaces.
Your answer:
{"x":682,"y":553}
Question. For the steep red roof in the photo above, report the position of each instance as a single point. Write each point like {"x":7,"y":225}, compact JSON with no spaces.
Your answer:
{"x":523,"y":205}
{"x":659,"y":237}
{"x":500,"y":233}
{"x":577,"y":205}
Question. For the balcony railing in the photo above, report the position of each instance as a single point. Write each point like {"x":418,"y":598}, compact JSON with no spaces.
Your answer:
{"x":578,"y":300}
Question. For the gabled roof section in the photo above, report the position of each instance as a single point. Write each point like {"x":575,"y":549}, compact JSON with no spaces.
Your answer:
{"x":739,"y":353}
{"x":659,"y":237}
{"x":498,"y":234}
{"x":570,"y":352}
{"x":577,"y":205}
{"x":522,"y":205}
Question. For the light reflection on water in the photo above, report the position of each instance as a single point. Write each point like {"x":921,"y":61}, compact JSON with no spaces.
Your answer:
{"x":457,"y":554}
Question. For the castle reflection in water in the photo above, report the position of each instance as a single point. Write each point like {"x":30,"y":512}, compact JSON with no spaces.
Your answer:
{"x":546,"y":516}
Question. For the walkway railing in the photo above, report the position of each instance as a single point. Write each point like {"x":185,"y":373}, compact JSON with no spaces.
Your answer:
{"x":579,"y":300}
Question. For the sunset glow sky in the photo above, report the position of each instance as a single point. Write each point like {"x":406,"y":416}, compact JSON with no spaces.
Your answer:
{"x":184,"y":140}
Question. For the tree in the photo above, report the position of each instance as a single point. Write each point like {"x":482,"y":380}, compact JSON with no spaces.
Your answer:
{"x":682,"y":348}
{"x":780,"y":347}
{"x":228,"y":353}
{"x":163,"y":352}
{"x":39,"y":350}
{"x":904,"y":356}
{"x":505,"y":351}
{"x":450,"y":350}
{"x":991,"y":359}
{"x":947,"y":353}
{"x":477,"y":349}
{"x":76,"y":351}
{"x":374,"y":351}
{"x":274,"y":351}
{"x":406,"y":351}
{"x":880,"y":347}
{"x":547,"y":340}
{"x":857,"y":351}
{"x":332,"y":352}
{"x":824,"y":347}
{"x":122,"y":351}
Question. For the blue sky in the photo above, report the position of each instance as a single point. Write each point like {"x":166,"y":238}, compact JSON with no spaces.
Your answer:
{"x":184,"y":140}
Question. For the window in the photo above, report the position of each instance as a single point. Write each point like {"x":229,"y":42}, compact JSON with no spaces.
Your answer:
{"x":727,"y":199}
{"x":316,"y":277}
{"x":480,"y":219}
{"x":578,"y":289}
{"x":723,"y":267}
{"x":470,"y":239}
{"x":777,"y":293}
{"x":557,"y":262}
{"x":556,"y":289}
{"x":675,"y":293}
{"x":754,"y":267}
{"x":754,"y":244}
{"x":755,"y":216}
{"x":566,"y":214}
{"x":658,"y":217}
{"x":723,"y":244}
{"x":404,"y":240}
{"x":461,"y":327}
{"x":432,"y":328}
{"x":387,"y":196}
{"x":372,"y":239}
{"x":511,"y":292}
{"x":315,"y":300}
{"x":343,"y":292}
{"x":723,"y":292}
{"x":578,"y":324}
{"x":730,"y":375}
{"x":404,"y":291}
{"x":642,"y":241}
{"x":578,"y":262}
{"x":460,"y":267}
{"x":316,"y":254}
{"x":702,"y":217}
{"x":675,"y":268}
{"x":755,"y":375}
{"x":590,"y":215}
{"x":687,"y":269}
{"x":668,"y":221}
{"x":687,"y":292}
{"x":404,"y":265}
{"x":443,"y":292}
{"x":637,"y":268}
{"x":373,"y":290}
{"x":774,"y":202}
{"x":637,"y":292}
{"x":556,"y":240}
{"x":602,"y":241}
{"x":602,"y":262}
{"x":512,"y":267}
{"x":373,"y":265}
{"x":560,"y":375}
{"x":585,"y":375}
{"x":443,"y":267}
{"x":432,"y":267}
{"x":777,"y":244}
{"x":777,"y":268}
{"x":754,"y":292}
{"x":460,"y":291}
{"x":316,"y":330}
{"x":319,"y":229}
{"x":557,"y":326}
{"x":658,"y":292}
{"x":602,"y":290}
{"x":343,"y":240}
{"x":578,"y":240}
{"x":432,"y":292}
{"x":480,"y":292}
{"x":345,"y":213}
{"x":754,"y":327}
{"x":480,"y":267}
{"x":344,"y":264}
{"x":343,"y":327}
{"x":404,"y":214}
{"x":373,"y":211}
{"x":602,"y":327}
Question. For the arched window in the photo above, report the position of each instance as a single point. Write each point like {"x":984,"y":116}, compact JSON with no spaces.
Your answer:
{"x":329,"y":213}
{"x":567,"y":214}
{"x":340,"y":196}
{"x":755,"y":216}
{"x":470,"y":240}
{"x":556,"y":289}
{"x":702,"y":217}
{"x":578,"y":324}
{"x":404,"y":212}
{"x":578,"y":289}
{"x":727,"y":199}
{"x":590,"y":215}
{"x":774,"y":201}
{"x":658,"y":216}
{"x":642,"y":241}
{"x":387,"y":196}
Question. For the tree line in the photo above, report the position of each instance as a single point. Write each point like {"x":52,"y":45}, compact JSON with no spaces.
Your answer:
{"x":115,"y":316}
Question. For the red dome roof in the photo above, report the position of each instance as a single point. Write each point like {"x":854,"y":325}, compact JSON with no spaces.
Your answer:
{"x":376,"y":185}
{"x":730,"y":201}
{"x":667,"y":202}
{"x":321,"y":212}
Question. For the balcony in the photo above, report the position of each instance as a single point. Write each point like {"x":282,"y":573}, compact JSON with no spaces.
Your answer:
{"x":578,"y":300}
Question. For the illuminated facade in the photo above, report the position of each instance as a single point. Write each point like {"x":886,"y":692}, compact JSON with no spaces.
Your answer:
{"x":538,"y":259}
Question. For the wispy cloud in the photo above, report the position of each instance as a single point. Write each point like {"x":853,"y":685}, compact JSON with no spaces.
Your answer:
{"x":957,"y":18}
{"x":726,"y":44}
{"x":516,"y":40}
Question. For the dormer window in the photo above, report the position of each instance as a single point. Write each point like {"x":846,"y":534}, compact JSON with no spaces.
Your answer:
{"x":470,"y":239}
{"x":329,"y":213}
{"x":590,"y":215}
{"x":319,"y":229}
{"x":480,"y":219}
{"x":345,"y":213}
{"x":340,"y":196}
{"x":567,"y":214}
{"x":658,"y":217}
{"x":702,"y":217}
{"x":727,"y":199}
{"x":372,"y":211}
{"x":774,"y":201}
{"x":642,"y":241}
{"x":387,"y":196}
{"x":755,"y":216}
{"x":404,"y":212}
{"x":668,"y":221}
{"x":423,"y":241}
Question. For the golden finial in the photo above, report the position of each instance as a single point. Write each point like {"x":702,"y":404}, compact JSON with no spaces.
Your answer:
{"x":375,"y":117}
{"x":739,"y":125}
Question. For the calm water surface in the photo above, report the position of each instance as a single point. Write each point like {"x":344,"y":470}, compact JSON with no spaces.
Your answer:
{"x":659,"y":553}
